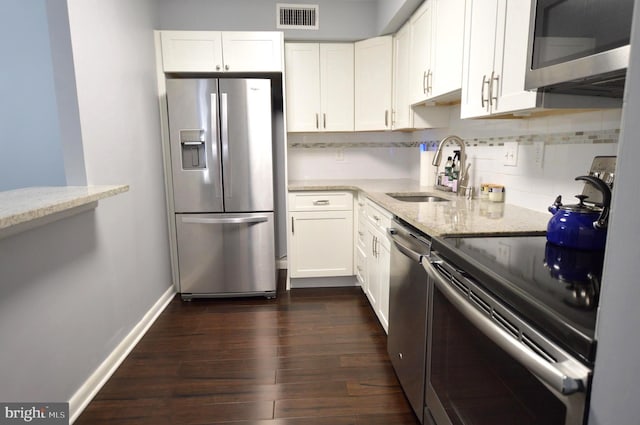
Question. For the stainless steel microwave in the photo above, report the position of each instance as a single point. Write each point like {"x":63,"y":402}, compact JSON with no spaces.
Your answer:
{"x":579,"y":46}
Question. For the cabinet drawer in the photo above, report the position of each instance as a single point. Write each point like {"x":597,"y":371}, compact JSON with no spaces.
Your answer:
{"x":320,"y":201}
{"x":377,"y":215}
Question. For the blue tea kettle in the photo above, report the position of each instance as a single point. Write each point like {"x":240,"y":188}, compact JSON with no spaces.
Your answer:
{"x":580,"y":226}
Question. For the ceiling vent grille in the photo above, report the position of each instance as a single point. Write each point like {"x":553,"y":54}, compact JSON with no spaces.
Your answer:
{"x":297,"y":16}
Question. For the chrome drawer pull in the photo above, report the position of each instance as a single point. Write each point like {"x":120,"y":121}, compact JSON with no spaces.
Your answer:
{"x":321,"y":202}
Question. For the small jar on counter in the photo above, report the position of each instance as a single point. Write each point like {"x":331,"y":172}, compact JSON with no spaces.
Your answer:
{"x":496,"y":193}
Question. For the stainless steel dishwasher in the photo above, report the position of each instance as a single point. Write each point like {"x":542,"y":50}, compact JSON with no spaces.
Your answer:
{"x":407,"y":338}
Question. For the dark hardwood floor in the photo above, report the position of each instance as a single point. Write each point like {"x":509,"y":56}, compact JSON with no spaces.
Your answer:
{"x":310,"y":356}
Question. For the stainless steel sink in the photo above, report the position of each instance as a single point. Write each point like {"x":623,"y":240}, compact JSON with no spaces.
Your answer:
{"x":416,"y":197}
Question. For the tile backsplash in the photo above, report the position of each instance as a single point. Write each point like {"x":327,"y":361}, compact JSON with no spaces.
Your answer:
{"x":570,"y":140}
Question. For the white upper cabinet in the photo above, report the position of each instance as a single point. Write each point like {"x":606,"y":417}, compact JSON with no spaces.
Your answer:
{"x":216,"y":51}
{"x":401,"y":110}
{"x":437,"y":34}
{"x":259,"y":51}
{"x":319,"y":86}
{"x":191,"y":51}
{"x":445,"y":78}
{"x":495,"y":49}
{"x":302,"y":65}
{"x":420,"y":62}
{"x":373,"y":81}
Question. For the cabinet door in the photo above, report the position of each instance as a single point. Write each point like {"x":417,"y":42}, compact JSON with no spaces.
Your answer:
{"x":401,"y":116}
{"x":384,"y":274}
{"x":302,"y":82}
{"x":321,"y":243}
{"x":511,"y":60}
{"x":446,"y":64}
{"x":421,"y":40}
{"x":336,"y":87}
{"x":191,"y":51}
{"x":373,"y":75}
{"x":373,"y":285}
{"x":478,"y":57}
{"x":256,"y":51}
{"x":361,"y":267}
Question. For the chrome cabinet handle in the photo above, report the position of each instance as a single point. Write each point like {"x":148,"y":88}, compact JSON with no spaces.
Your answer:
{"x":485,"y":82}
{"x":324,"y":121}
{"x":293,"y":226}
{"x":217,"y":67}
{"x":424,"y":82}
{"x":553,"y":376}
{"x":429,"y":79}
{"x":494,"y":79}
{"x":317,"y":122}
{"x":321,"y":202}
{"x":386,"y":118}
{"x":226,"y":67}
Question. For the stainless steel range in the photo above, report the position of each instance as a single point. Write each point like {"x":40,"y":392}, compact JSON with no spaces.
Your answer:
{"x":511,"y":331}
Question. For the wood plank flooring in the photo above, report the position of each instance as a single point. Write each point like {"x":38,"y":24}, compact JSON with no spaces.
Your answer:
{"x":310,"y":356}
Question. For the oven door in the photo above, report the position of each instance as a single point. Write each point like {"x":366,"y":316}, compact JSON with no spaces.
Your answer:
{"x":486,"y":366}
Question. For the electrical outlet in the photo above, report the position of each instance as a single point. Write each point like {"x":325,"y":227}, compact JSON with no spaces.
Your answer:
{"x":538,"y":153}
{"x":340,"y":154}
{"x":511,"y":153}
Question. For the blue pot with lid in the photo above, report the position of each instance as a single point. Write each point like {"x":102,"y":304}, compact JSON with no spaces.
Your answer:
{"x":581,"y":226}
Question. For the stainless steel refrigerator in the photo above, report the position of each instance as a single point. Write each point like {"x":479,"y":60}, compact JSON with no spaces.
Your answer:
{"x":221,"y":160}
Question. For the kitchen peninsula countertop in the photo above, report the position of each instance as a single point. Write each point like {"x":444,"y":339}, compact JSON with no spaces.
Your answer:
{"x":22,"y":209}
{"x":458,"y":217}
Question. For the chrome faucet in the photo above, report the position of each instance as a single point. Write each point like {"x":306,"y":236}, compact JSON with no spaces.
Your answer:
{"x":463,"y":177}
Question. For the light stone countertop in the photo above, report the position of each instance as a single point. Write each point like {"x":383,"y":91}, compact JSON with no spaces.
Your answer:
{"x":25,"y":208}
{"x":458,"y":217}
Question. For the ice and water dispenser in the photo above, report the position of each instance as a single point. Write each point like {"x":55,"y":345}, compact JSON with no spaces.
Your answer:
{"x":194,"y":154}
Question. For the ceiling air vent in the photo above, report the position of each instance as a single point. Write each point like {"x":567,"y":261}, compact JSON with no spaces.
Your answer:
{"x":297,"y":16}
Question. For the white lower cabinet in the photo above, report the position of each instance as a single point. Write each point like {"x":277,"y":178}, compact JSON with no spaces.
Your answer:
{"x":360,"y":250}
{"x":321,"y":234}
{"x":378,"y":260}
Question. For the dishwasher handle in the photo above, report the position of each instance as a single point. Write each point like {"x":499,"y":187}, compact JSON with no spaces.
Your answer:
{"x":402,"y":247}
{"x":550,"y":374}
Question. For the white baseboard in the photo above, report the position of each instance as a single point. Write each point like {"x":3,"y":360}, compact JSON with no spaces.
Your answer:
{"x":101,"y":375}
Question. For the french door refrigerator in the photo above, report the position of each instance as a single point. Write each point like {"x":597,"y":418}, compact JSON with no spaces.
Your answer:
{"x":221,"y":161}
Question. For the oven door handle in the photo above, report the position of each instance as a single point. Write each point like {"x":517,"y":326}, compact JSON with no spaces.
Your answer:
{"x":545,"y":371}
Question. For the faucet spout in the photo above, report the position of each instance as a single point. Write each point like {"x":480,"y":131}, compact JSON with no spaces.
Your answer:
{"x":462,"y":178}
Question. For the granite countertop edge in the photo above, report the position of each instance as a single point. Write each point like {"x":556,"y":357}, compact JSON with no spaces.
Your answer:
{"x":458,"y":217}
{"x":20,"y":206}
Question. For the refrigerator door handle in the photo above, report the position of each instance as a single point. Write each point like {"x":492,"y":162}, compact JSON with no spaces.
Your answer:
{"x":224,"y":137}
{"x":232,"y":220}
{"x":214,"y":140}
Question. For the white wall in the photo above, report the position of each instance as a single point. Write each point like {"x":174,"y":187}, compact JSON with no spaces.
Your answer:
{"x":30,"y":134}
{"x":71,"y":290}
{"x":344,"y":20}
{"x":615,"y":393}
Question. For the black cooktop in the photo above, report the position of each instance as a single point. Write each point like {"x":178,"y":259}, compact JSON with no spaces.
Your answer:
{"x":554,"y":289}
